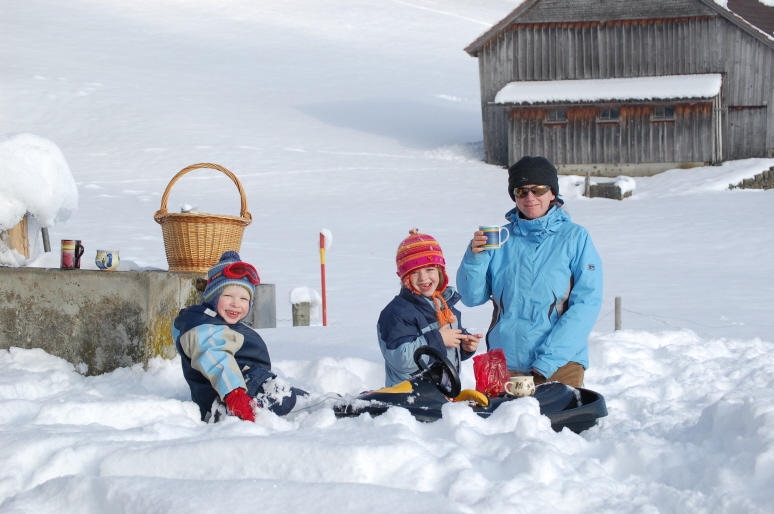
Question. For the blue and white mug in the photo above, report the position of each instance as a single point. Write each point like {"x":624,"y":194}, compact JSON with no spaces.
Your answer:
{"x":107,"y":259}
{"x":494,"y":237}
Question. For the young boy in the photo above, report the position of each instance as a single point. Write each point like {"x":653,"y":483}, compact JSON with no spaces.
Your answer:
{"x":423,"y":313}
{"x":223,"y":359}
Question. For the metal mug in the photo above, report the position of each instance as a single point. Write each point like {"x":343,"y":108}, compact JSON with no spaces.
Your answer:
{"x":72,"y":250}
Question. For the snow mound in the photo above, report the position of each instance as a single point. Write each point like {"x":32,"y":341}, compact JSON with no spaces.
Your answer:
{"x":36,"y":179}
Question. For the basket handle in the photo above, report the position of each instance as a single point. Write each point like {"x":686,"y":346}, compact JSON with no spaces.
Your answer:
{"x":243,"y":209}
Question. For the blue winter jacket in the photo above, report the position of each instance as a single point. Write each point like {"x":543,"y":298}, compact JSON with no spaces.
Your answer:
{"x":546,"y":286}
{"x":409,"y":322}
{"x":217,"y":357}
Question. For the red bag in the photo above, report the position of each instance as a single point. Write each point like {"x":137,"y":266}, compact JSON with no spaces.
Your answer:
{"x":491,"y":372}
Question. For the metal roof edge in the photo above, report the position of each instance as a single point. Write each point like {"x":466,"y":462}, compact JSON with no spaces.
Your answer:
{"x":476,"y":45}
{"x":741,"y":23}
{"x":734,"y":18}
{"x":607,"y":101}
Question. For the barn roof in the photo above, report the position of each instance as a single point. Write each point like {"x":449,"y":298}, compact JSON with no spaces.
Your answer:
{"x":760,"y":15}
{"x":749,"y":15}
{"x":670,"y":87}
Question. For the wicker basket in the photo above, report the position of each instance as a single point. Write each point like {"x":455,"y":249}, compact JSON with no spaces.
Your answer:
{"x":194,"y":242}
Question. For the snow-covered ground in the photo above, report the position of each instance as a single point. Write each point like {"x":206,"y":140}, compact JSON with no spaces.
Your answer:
{"x":363,"y":117}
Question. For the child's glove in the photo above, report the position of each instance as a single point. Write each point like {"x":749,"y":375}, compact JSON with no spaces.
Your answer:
{"x":240,"y":405}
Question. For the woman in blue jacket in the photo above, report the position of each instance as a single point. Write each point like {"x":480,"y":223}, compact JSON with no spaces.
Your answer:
{"x":545,"y":281}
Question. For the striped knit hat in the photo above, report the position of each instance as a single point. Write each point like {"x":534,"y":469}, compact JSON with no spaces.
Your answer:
{"x":419,"y":251}
{"x":215,"y":287}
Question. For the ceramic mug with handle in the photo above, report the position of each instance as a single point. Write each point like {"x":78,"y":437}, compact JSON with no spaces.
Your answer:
{"x":494,"y":236}
{"x":72,"y":249}
{"x":107,"y":259}
{"x":520,"y":386}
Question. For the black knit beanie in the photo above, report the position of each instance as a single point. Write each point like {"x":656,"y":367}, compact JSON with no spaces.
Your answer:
{"x":532,"y":170}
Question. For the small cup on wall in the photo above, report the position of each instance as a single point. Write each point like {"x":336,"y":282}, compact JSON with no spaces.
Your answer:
{"x":72,"y":250}
{"x":107,"y":259}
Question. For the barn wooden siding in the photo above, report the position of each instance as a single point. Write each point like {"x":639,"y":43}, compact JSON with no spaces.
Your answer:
{"x":633,"y":48}
{"x":634,"y":139}
{"x":743,"y":136}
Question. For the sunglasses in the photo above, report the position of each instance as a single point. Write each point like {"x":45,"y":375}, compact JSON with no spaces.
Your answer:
{"x":521,"y":192}
{"x":238,"y":270}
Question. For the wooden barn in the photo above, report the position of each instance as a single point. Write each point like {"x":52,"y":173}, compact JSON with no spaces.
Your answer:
{"x":628,"y":87}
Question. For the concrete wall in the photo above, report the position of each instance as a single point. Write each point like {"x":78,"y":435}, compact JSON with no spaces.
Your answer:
{"x":104,"y":319}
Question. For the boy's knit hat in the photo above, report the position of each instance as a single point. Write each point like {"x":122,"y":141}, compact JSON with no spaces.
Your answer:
{"x":419,"y":251}
{"x":532,"y":170}
{"x":217,"y":285}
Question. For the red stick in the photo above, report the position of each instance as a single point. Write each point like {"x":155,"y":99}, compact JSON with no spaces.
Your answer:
{"x":322,"y":275}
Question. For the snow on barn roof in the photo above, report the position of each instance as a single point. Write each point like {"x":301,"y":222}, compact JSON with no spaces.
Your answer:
{"x":667,"y":87}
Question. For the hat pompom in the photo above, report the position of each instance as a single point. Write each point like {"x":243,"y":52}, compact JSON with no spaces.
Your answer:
{"x":230,"y":255}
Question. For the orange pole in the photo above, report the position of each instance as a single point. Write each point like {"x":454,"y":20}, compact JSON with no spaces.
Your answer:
{"x":322,"y":275}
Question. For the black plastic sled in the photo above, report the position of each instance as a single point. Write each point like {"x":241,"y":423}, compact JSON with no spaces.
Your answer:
{"x":575,"y":408}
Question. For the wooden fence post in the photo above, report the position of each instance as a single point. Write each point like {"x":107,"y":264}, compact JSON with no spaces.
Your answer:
{"x":618,"y":313}
{"x":16,"y":238}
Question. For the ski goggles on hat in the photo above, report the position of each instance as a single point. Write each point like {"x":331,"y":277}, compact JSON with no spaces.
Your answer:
{"x":238,"y":270}
{"x":521,"y":192}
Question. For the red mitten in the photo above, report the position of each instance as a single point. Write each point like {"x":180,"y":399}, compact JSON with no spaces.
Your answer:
{"x":240,"y":405}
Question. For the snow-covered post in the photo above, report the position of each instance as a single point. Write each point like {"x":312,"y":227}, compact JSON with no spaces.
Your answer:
{"x":301,"y":314}
{"x":305,"y":302}
{"x":326,"y":238}
{"x":38,"y":191}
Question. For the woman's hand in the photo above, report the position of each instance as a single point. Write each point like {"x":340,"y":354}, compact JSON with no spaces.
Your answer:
{"x":470,"y":343}
{"x":479,"y":240}
{"x":452,"y":337}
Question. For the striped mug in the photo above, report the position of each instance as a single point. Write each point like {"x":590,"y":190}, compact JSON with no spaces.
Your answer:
{"x":71,"y":254}
{"x":494,"y":238}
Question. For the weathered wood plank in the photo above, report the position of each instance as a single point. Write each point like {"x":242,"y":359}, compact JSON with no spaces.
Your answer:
{"x":16,"y":237}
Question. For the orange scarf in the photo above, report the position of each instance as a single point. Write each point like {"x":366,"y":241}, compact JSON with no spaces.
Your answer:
{"x":442,"y":311}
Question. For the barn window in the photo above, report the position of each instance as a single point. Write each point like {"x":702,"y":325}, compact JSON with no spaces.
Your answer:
{"x":664,"y":113}
{"x":555,"y":116}
{"x":609,"y":115}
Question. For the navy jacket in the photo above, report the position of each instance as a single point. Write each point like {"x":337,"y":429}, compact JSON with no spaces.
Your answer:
{"x":217,"y":357}
{"x":409,"y":322}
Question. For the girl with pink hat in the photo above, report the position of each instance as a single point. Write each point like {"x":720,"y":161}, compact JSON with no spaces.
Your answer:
{"x":423,"y":313}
